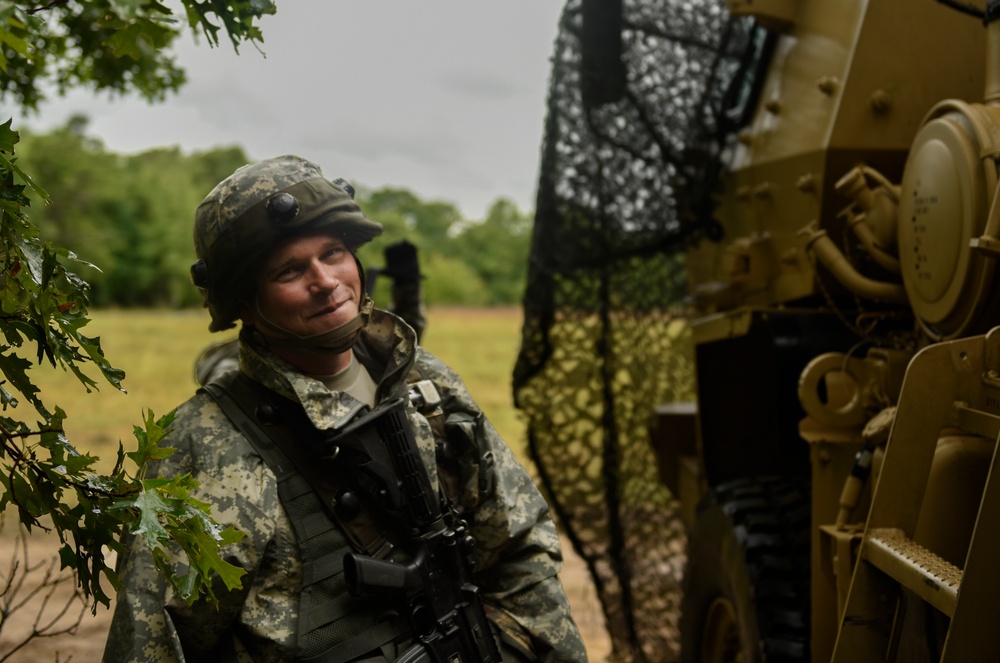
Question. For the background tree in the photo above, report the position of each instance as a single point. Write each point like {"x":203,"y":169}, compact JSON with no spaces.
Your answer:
{"x":497,"y":250}
{"x":468,"y":263}
{"x":425,"y":223}
{"x":116,"y":47}
{"x":82,"y":177}
{"x":130,"y":214}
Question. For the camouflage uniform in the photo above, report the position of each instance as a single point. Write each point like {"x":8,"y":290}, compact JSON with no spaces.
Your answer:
{"x":518,"y":549}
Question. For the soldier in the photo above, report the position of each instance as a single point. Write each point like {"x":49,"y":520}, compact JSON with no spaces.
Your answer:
{"x":401,"y":265}
{"x":276,"y":246}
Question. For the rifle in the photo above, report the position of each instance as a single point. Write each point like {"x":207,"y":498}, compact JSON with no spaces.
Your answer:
{"x":436,"y":589}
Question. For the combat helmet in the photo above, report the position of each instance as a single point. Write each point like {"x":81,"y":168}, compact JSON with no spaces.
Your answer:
{"x":250,"y":212}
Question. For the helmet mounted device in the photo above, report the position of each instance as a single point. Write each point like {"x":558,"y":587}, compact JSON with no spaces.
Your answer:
{"x":249,"y":213}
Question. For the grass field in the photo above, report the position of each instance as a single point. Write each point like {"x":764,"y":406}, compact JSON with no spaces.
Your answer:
{"x":157,"y":351}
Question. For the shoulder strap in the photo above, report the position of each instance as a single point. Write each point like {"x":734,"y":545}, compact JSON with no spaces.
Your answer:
{"x":273,"y":426}
{"x":425,"y":397}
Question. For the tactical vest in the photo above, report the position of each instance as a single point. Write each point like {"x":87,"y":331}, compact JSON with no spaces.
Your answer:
{"x":330,"y":517}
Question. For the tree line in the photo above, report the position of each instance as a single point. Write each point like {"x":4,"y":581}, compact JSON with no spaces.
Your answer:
{"x":128,"y":219}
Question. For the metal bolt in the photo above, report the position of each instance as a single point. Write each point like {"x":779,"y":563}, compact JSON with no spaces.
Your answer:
{"x":880,"y":101}
{"x":806,"y":183}
{"x":828,"y":85}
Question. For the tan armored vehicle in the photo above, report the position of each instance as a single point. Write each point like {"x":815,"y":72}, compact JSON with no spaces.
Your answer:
{"x":847,"y":350}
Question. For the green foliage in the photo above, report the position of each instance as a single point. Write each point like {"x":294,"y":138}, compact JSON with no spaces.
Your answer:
{"x":468,"y":263}
{"x":44,"y":306}
{"x":497,"y":251}
{"x":164,"y":511}
{"x":130,"y":214}
{"x":452,"y":282}
{"x":81,"y":178}
{"x":116,"y":46}
{"x":427,"y":223}
{"x":113,"y":46}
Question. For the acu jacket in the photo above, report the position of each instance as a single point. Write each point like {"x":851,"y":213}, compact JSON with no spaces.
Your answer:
{"x":518,"y":551}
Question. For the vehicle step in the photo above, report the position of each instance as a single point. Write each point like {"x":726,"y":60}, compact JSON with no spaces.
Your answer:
{"x":913,"y":566}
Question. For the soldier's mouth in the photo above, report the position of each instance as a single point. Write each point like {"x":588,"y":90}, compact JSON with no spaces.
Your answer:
{"x":327,"y":310}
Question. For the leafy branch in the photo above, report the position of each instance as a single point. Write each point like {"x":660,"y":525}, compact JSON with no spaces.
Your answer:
{"x":113,"y":46}
{"x":43,"y":309}
{"x":118,"y":47}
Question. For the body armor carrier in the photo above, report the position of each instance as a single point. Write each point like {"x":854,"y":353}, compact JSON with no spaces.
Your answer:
{"x":330,"y":517}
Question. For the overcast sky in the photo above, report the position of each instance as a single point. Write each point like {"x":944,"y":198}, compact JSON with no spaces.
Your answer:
{"x":444,"y":97}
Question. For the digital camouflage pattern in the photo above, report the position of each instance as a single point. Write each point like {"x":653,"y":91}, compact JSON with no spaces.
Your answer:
{"x":234,"y":228}
{"x":518,"y":549}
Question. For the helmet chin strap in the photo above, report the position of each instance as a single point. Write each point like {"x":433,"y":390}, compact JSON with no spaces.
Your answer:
{"x":331,"y":342}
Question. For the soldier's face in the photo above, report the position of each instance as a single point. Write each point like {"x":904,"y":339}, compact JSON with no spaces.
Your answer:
{"x":309,"y":285}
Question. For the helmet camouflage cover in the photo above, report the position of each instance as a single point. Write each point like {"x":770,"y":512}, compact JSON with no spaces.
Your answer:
{"x":250,"y":212}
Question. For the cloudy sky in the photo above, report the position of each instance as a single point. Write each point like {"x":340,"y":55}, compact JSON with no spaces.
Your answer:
{"x":444,"y":97}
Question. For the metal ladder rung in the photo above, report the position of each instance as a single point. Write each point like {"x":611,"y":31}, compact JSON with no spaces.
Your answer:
{"x":925,"y":573}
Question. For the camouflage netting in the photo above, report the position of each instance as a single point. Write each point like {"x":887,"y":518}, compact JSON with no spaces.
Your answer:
{"x":629,"y":163}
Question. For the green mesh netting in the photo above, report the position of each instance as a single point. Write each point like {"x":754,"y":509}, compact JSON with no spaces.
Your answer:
{"x":636,"y":123}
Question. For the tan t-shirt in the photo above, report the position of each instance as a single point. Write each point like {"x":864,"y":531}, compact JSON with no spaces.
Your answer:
{"x":355,"y":380}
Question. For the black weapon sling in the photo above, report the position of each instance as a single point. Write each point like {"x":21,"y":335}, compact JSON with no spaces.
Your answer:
{"x":317,"y":501}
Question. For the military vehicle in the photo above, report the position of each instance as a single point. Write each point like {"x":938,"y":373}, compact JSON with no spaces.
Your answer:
{"x":836,"y":478}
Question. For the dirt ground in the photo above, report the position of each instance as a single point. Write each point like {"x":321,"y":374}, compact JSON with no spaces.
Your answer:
{"x":86,"y":643}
